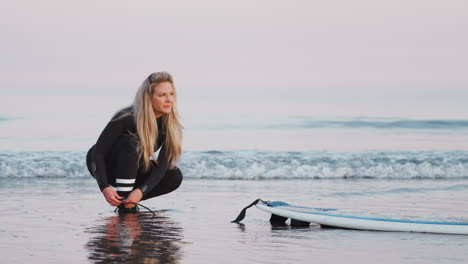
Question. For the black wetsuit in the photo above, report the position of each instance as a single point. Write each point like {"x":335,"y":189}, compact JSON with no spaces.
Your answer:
{"x":113,"y":160}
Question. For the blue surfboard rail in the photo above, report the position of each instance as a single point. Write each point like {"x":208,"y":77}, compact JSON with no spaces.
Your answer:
{"x":279,"y":203}
{"x":283,"y":204}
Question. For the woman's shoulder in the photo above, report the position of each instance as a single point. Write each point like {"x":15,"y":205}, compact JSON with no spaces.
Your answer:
{"x":124,"y":111}
{"x":123,"y":115}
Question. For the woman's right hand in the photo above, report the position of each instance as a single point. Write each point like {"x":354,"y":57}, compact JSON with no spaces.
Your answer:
{"x":111,"y":196}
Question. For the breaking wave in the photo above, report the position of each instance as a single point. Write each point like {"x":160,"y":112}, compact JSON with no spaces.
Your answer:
{"x":261,"y":165}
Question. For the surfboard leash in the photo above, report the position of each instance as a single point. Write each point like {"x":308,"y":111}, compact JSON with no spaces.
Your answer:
{"x":241,"y":216}
{"x":137,"y":204}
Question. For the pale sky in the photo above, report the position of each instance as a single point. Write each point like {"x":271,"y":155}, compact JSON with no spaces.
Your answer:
{"x":367,"y":57}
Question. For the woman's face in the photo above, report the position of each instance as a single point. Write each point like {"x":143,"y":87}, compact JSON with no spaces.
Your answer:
{"x":162,"y":98}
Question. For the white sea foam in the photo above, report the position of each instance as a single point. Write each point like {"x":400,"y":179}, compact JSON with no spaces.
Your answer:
{"x":259,"y":165}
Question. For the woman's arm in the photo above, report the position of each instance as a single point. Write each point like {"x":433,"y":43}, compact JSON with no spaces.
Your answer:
{"x":156,"y":173}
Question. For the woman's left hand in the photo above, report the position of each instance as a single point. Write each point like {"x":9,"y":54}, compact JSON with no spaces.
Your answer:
{"x":134,"y":197}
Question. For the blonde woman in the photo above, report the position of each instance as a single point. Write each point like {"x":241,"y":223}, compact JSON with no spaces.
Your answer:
{"x":124,"y":154}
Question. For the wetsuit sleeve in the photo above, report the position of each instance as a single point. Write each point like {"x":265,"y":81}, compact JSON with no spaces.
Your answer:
{"x":156,"y":173}
{"x":103,"y":145}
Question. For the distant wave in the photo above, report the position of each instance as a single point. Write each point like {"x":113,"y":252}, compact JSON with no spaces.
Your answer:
{"x":379,"y":124}
{"x":261,"y":165}
{"x":349,"y":123}
{"x":7,"y":118}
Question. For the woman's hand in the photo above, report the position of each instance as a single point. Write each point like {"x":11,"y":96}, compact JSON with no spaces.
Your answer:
{"x":111,"y":196}
{"x":134,"y":197}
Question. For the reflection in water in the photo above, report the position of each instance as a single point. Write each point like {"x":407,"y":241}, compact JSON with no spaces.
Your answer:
{"x":136,"y":238}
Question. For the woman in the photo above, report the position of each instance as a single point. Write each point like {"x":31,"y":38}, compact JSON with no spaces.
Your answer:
{"x":124,"y":154}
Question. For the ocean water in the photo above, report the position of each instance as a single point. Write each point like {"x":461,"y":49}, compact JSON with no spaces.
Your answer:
{"x":403,"y":167}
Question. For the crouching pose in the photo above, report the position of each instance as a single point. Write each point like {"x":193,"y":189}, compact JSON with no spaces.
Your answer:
{"x":124,"y":154}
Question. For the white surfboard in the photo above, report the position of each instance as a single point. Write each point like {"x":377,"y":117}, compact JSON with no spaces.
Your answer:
{"x":332,"y":218}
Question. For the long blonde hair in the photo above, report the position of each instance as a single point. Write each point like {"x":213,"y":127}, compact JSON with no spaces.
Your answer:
{"x":147,"y":128}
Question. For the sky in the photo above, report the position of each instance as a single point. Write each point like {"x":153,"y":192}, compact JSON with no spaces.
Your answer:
{"x":317,"y":58}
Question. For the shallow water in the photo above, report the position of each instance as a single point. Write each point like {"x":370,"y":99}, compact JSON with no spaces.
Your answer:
{"x":56,"y":220}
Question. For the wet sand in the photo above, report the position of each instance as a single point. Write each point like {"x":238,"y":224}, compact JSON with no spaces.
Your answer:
{"x":57,"y":220}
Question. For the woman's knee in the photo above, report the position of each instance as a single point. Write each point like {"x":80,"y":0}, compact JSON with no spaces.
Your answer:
{"x":171,"y":181}
{"x":89,"y":161}
{"x":176,"y":177}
